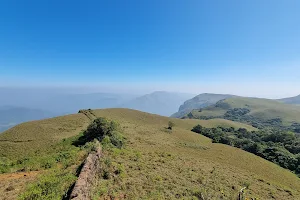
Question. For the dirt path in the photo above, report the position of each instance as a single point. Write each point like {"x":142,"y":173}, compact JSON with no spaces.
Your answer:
{"x":12,"y":184}
{"x":89,"y":114}
{"x":5,"y":177}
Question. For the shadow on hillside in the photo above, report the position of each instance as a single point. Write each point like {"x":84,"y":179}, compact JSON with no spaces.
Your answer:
{"x":82,"y":140}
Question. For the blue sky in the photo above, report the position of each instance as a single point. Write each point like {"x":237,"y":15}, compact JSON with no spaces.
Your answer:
{"x":249,"y":47}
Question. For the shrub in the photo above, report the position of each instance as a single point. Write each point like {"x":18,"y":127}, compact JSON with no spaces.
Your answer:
{"x":108,"y":132}
{"x":117,"y":139}
{"x":171,"y":125}
{"x":197,"y":129}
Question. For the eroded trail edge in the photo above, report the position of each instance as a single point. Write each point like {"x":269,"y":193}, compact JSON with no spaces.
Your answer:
{"x":87,"y":176}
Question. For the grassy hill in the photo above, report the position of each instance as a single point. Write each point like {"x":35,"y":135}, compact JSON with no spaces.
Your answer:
{"x":157,"y":163}
{"x":199,"y":101}
{"x":29,"y":137}
{"x":255,"y":111}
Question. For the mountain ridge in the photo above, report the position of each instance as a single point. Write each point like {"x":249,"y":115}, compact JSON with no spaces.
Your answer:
{"x":199,"y":101}
{"x":255,"y":111}
{"x":291,"y":100}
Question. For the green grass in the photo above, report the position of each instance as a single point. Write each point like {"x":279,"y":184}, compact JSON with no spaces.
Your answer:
{"x":27,"y":138}
{"x":160,"y":164}
{"x":59,"y":164}
{"x":157,"y":163}
{"x":51,"y":186}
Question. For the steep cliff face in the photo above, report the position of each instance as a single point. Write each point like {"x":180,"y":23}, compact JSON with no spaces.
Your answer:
{"x":199,"y":101}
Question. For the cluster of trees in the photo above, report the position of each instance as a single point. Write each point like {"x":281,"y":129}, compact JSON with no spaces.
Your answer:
{"x":278,"y":146}
{"x":240,"y":115}
{"x":296,"y":127}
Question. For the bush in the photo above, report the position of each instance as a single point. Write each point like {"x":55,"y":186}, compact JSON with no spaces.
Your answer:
{"x":99,"y":128}
{"x":108,"y":132}
{"x":4,"y":165}
{"x":171,"y":125}
{"x":117,"y":139}
{"x":197,"y":129}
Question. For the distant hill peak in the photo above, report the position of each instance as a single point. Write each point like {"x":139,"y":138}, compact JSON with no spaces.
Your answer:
{"x":200,"y":101}
{"x":291,"y":100}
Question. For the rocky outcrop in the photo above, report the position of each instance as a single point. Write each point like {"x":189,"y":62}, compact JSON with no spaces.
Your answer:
{"x":87,"y":176}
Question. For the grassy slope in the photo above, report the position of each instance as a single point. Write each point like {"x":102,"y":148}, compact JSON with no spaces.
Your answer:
{"x":190,"y":123}
{"x":262,"y":109}
{"x":28,"y":137}
{"x":170,"y":163}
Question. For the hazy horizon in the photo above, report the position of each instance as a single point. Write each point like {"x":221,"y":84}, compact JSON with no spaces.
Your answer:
{"x":140,"y":91}
{"x":139,"y":47}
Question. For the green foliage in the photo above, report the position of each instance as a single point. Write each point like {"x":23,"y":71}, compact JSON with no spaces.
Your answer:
{"x":63,"y":154}
{"x":99,"y":128}
{"x":108,"y":132}
{"x":241,"y":115}
{"x":50,"y":186}
{"x":60,"y":163}
{"x":117,"y":139}
{"x":5,"y":165}
{"x":280,"y":147}
{"x":60,"y":160}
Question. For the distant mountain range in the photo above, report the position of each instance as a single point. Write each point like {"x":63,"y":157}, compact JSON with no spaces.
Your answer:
{"x":60,"y":102}
{"x":160,"y":102}
{"x":207,"y":99}
{"x":34,"y":104}
{"x":10,"y":116}
{"x":27,"y":105}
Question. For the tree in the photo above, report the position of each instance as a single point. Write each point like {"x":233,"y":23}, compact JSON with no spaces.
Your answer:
{"x":198,"y":128}
{"x":171,"y":125}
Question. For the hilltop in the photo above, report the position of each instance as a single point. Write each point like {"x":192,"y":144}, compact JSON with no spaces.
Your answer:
{"x":199,"y":101}
{"x":156,"y":163}
{"x":257,"y":112}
